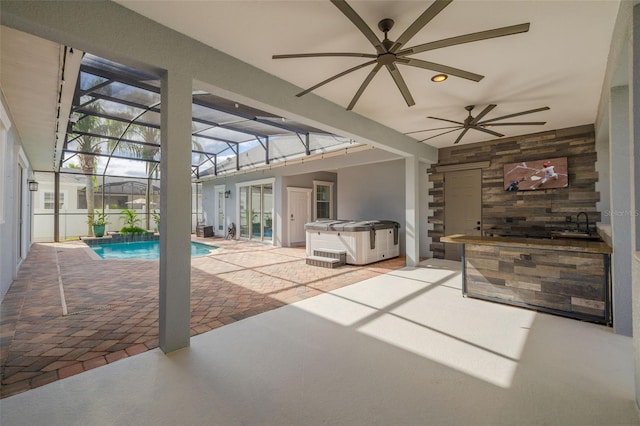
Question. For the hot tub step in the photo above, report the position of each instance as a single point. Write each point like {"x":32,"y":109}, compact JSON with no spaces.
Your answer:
{"x":324,"y":262}
{"x":341,"y":255}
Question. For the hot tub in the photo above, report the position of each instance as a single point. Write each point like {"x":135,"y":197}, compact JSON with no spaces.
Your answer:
{"x":364,"y":241}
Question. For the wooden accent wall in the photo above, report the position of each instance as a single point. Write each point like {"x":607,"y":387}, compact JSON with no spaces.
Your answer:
{"x":533,"y":212}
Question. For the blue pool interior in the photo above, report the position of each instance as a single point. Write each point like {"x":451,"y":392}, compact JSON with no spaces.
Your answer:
{"x":143,"y":250}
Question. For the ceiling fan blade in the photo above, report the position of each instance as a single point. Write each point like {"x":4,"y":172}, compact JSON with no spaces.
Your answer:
{"x":531,"y":111}
{"x":461,"y":135}
{"x":483,"y":113}
{"x":467,"y":38}
{"x":431,"y":12}
{"x":318,"y":55}
{"x":359,"y":23}
{"x":343,"y":73}
{"x":440,"y":134}
{"x":491,"y":132}
{"x":363,"y":86}
{"x":430,"y":130}
{"x":440,"y":68}
{"x":522,"y":123}
{"x":397,"y":77}
{"x":444,"y":119}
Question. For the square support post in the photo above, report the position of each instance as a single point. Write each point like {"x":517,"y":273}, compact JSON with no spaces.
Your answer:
{"x":175,"y":210}
{"x":620,"y":179}
{"x":412,"y":210}
{"x":635,"y":194}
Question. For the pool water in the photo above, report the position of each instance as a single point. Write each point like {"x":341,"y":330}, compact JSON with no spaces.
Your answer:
{"x":143,"y":250}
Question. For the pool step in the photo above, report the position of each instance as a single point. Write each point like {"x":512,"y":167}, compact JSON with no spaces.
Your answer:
{"x":327,"y":258}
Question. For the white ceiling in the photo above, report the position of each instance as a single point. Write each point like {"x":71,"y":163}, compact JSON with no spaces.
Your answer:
{"x":559,"y":63}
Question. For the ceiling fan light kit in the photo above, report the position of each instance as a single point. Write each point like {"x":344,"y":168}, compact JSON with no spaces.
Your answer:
{"x":439,"y":78}
{"x":389,"y":54}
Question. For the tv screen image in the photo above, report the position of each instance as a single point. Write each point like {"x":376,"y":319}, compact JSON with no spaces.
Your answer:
{"x":536,"y":175}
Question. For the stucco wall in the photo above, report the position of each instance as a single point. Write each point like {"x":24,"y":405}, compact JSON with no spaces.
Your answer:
{"x":10,"y":152}
{"x":305,"y":181}
{"x":7,"y":219}
{"x":280,"y":200}
{"x":377,"y":191}
{"x":636,"y":321}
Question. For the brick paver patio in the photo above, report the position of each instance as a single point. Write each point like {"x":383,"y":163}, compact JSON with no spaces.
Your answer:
{"x":112,"y":305}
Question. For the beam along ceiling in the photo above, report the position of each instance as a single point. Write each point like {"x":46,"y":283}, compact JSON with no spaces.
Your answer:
{"x":559,"y":63}
{"x":29,"y":76}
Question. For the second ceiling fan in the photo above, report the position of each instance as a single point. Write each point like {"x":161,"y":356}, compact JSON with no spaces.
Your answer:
{"x":389,"y":53}
{"x":474,"y":123}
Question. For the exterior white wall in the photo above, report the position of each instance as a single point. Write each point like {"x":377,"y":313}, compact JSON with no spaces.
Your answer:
{"x":634,"y":193}
{"x":73,"y":221}
{"x":10,"y":231}
{"x":376,"y":192}
{"x":305,"y":181}
{"x":280,"y":198}
{"x":621,"y":201}
{"x":300,"y":175}
{"x":231,"y":203}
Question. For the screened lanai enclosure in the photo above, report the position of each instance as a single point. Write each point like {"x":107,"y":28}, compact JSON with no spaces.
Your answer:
{"x":111,"y":154}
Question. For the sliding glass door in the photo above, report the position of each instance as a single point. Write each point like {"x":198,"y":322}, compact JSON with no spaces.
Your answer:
{"x":256,"y":212}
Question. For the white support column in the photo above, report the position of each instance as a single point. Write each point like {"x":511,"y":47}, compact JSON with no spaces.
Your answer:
{"x":412,"y":210}
{"x":635,"y":194}
{"x":620,"y":180}
{"x":175,"y":211}
{"x":634,"y":84}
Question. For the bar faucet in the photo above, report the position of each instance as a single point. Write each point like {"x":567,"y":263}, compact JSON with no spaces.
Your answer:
{"x":586,"y":221}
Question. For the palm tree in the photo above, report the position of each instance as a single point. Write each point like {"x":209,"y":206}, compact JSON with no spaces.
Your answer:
{"x":88,"y":147}
{"x":151,"y":135}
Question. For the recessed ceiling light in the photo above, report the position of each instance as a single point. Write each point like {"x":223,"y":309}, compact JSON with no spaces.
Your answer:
{"x":438,"y":78}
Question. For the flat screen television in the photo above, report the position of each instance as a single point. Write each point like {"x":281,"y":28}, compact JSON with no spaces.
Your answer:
{"x":536,"y":175}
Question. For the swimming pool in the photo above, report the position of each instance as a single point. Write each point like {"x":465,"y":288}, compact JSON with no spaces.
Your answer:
{"x":143,"y":250}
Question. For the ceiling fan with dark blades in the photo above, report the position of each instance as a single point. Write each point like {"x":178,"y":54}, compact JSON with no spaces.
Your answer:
{"x":390,"y":53}
{"x":474,"y":123}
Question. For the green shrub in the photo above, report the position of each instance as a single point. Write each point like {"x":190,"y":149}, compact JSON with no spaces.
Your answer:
{"x":131,"y":219}
{"x":132,"y":230}
{"x":98,"y":218}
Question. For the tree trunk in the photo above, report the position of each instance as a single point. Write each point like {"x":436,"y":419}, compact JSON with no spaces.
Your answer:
{"x":90,"y":203}
{"x":86,"y":162}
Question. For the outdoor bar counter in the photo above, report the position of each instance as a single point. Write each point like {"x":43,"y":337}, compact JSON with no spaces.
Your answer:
{"x":568,"y":277}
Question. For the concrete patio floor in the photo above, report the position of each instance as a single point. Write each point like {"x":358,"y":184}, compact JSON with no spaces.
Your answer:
{"x":68,"y":312}
{"x":401,"y":348}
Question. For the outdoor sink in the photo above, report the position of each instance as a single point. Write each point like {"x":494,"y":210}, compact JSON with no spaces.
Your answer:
{"x":575,"y":234}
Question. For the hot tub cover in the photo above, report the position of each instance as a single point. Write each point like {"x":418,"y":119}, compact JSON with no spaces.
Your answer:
{"x":350,"y":225}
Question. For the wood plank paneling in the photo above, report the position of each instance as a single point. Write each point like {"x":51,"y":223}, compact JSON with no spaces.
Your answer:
{"x":527,"y":212}
{"x":572,"y":284}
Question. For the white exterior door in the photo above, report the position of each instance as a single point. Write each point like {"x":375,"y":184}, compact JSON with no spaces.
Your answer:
{"x":462,"y":207}
{"x":298,"y":213}
{"x":219,"y":211}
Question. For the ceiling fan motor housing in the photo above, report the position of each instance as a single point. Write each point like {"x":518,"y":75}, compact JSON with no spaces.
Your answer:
{"x":385,"y":25}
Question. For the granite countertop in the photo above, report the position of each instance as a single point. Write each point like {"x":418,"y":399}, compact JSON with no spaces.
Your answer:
{"x":560,"y":244}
